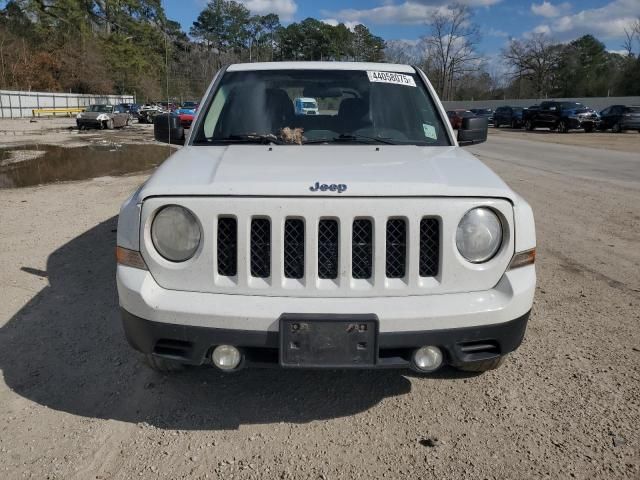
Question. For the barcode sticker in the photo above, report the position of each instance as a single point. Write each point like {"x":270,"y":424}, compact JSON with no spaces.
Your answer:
{"x":391,"y":77}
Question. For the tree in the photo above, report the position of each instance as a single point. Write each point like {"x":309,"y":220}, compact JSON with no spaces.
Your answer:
{"x":452,"y":43}
{"x":535,"y":59}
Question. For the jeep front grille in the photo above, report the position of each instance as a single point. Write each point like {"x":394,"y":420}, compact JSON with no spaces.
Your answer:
{"x":227,"y":246}
{"x":328,"y":240}
{"x":429,"y":247}
{"x":328,"y":244}
{"x":294,"y":248}
{"x":396,"y":248}
{"x":260,"y":247}
{"x":362,"y":249}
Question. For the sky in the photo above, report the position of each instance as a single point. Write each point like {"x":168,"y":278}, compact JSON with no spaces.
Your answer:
{"x":498,"y":20}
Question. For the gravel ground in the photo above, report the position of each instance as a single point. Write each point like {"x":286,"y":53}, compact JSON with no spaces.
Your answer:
{"x":76,"y":402}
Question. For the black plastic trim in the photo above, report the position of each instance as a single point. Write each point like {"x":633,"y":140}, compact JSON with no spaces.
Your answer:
{"x":394,"y":348}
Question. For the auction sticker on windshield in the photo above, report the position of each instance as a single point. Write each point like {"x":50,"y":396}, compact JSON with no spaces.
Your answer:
{"x":390,"y":77}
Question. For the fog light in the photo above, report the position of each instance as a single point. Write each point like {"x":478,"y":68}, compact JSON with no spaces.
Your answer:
{"x":427,"y":359}
{"x":226,"y":357}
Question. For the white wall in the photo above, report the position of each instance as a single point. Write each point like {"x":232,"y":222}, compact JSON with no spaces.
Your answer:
{"x":16,"y":104}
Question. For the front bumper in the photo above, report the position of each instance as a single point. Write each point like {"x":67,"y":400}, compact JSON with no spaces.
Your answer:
{"x":577,"y":123}
{"x":87,"y":122}
{"x":470,"y":326}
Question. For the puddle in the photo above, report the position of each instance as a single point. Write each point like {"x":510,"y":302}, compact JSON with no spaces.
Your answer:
{"x":29,"y":165}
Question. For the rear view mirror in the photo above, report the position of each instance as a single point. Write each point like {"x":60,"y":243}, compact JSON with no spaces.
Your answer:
{"x":473,"y":131}
{"x":167,"y":129}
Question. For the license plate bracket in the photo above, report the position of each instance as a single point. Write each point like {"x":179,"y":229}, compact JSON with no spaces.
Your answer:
{"x":328,"y":341}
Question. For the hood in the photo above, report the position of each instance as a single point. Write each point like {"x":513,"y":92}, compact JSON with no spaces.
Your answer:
{"x":287,"y":170}
{"x":93,"y":115}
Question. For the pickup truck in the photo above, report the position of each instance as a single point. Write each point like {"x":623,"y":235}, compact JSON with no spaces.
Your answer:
{"x":361,"y":237}
{"x":561,"y":116}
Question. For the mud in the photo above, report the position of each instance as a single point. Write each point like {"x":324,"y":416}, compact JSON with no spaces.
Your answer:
{"x":30,"y":165}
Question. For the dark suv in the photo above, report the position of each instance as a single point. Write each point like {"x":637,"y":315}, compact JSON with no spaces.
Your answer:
{"x":563,"y":116}
{"x":512,"y":116}
{"x":619,"y":118}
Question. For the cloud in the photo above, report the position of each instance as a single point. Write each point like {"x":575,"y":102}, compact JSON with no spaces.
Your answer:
{"x":334,"y":22}
{"x":284,"y":8}
{"x":608,"y":21}
{"x":548,"y":10}
{"x":494,"y":32}
{"x":408,"y":12}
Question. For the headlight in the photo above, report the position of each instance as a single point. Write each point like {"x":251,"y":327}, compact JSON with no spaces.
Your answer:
{"x":479,"y":235}
{"x":175,"y":233}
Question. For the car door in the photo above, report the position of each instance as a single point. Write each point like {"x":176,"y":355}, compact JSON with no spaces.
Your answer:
{"x":546,"y":116}
{"x":119,"y":116}
{"x":605,"y":118}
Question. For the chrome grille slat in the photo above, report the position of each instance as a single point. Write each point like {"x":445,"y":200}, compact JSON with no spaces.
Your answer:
{"x":293,"y":248}
{"x":260,"y":248}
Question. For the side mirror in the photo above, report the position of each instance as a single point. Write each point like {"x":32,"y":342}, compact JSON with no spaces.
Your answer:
{"x":473,"y":131}
{"x":167,"y":129}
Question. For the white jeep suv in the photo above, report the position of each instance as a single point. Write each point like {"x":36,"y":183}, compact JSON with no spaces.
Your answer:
{"x":361,"y":237}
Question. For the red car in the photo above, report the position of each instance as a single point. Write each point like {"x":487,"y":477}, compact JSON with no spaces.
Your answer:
{"x":186,"y":113}
{"x":456,"y":116}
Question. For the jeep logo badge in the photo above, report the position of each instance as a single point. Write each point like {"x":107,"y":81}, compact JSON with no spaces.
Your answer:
{"x":328,"y":187}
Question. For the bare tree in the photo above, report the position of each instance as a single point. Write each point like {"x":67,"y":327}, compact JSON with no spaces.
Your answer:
{"x":632,"y":34}
{"x":535,"y":59}
{"x":452,"y":42}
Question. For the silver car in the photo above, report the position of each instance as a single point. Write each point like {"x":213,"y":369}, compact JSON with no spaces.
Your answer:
{"x":103,"y":116}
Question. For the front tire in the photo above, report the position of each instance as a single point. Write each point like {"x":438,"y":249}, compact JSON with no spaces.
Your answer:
{"x":163,"y":365}
{"x":588,"y":129}
{"x":483,"y":365}
{"x":562,"y":127}
{"x":616,"y":128}
{"x":528,"y":125}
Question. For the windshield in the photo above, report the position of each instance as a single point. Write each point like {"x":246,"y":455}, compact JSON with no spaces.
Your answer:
{"x":572,"y":106}
{"x":353,"y":107}
{"x":100,"y":108}
{"x":189,"y":105}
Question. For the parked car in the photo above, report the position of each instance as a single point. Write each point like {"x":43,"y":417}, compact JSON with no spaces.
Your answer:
{"x":363,"y":239}
{"x":619,"y":118}
{"x":306,"y":106}
{"x":484,"y":113}
{"x":102,"y":116}
{"x":563,"y":116}
{"x":511,"y":116}
{"x":186,"y":113}
{"x":147,"y":112}
{"x":456,"y":116}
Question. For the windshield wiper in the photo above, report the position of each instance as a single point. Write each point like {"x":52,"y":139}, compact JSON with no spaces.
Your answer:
{"x":350,"y":137}
{"x":260,"y":138}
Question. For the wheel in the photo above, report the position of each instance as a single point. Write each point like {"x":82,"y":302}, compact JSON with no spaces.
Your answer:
{"x":483,"y":365}
{"x":514,"y":124}
{"x":528,"y":125}
{"x":109,"y":124}
{"x":126,"y":124}
{"x":588,"y":128}
{"x":562,"y":127}
{"x":163,"y":365}
{"x":616,"y":128}
{"x":496,"y":124}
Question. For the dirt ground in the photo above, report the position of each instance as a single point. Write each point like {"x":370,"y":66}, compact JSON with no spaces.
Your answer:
{"x":628,"y":141}
{"x":63,"y":131}
{"x":77,"y":403}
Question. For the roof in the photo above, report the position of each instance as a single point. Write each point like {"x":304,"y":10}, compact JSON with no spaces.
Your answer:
{"x":385,"y":67}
